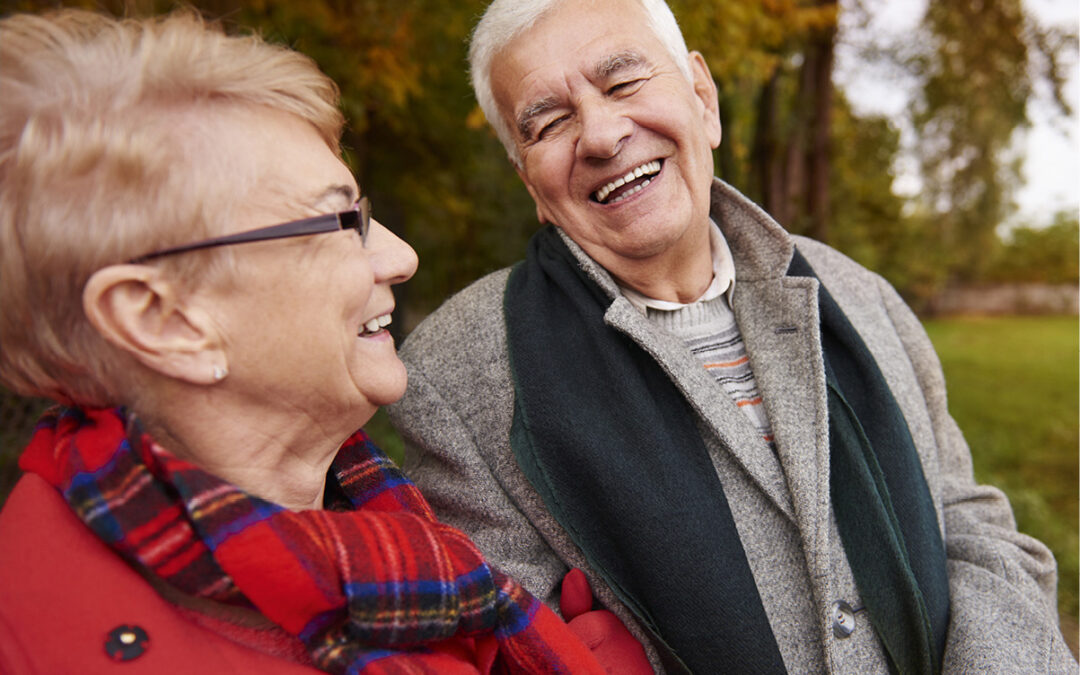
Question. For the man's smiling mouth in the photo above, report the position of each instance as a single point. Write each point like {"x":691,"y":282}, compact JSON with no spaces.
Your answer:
{"x":633,"y":182}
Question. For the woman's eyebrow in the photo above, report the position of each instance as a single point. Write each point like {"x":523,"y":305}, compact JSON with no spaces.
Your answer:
{"x":334,"y":194}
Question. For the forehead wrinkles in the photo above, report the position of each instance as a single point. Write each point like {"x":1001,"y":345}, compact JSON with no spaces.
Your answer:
{"x":601,"y":71}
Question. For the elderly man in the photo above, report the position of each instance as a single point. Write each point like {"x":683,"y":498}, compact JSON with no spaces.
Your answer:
{"x":739,"y":435}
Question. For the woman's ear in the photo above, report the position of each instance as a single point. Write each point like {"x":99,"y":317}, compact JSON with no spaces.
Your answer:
{"x":138,"y":310}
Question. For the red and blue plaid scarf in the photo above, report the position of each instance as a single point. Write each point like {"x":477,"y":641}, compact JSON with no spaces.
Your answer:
{"x":366,"y":583}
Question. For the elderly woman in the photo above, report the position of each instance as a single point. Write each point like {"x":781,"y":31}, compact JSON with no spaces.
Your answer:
{"x":188,"y":267}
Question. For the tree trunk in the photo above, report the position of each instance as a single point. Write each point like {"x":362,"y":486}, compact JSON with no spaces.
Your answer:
{"x":728,"y":168}
{"x":768,"y":169}
{"x":819,"y":65}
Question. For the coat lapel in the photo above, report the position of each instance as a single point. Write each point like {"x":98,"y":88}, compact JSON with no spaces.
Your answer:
{"x":778,"y":318}
{"x":736,"y":434}
{"x":784,"y":349}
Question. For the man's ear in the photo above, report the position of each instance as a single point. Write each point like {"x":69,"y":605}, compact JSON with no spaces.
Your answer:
{"x":541,"y":215}
{"x":138,"y":310}
{"x":705,"y":89}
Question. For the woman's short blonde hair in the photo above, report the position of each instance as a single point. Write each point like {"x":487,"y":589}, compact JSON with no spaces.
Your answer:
{"x":99,"y":162}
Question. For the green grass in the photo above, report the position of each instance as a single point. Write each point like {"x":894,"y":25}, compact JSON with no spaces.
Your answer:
{"x":1013,"y":388}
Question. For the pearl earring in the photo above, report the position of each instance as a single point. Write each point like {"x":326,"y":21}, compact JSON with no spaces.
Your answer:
{"x":220,"y":373}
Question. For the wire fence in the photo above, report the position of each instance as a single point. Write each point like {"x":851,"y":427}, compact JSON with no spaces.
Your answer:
{"x":17,"y":417}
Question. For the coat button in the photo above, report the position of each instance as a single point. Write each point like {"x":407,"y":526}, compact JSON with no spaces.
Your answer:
{"x":843,"y":619}
{"x":125,"y":643}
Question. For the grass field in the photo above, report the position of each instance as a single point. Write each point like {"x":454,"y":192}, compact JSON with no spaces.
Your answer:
{"x":1013,"y":389}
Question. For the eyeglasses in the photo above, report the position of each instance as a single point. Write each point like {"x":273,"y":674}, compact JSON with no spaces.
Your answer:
{"x":356,"y":218}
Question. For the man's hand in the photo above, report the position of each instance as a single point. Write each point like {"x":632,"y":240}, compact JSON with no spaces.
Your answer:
{"x":601,"y":631}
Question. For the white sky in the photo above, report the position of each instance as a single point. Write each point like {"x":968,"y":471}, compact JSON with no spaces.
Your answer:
{"x":1051,"y":148}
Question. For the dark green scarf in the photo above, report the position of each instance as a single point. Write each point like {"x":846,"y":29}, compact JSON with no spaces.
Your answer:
{"x":883,"y":507}
{"x":613,"y":448}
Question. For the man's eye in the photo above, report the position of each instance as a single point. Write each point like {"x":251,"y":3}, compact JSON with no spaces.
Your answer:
{"x":627,"y":87}
{"x":550,"y":127}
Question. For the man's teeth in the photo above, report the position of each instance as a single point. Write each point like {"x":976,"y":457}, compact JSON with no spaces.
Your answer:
{"x":374,"y":325}
{"x":647,"y":169}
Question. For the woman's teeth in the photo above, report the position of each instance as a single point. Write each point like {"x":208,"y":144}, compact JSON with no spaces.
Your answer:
{"x":648,"y":169}
{"x":375,"y":325}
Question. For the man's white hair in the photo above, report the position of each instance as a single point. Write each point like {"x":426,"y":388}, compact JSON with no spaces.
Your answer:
{"x":505,"y":20}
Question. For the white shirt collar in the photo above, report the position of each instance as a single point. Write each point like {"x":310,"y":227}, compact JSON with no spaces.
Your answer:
{"x":723,"y":280}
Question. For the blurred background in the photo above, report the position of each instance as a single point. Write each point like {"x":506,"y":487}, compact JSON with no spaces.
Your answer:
{"x":936,"y":143}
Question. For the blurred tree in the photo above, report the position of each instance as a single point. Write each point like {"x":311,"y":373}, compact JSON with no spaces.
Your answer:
{"x":980,"y":63}
{"x":1048,"y":255}
{"x":773,"y":64}
{"x":869,"y":221}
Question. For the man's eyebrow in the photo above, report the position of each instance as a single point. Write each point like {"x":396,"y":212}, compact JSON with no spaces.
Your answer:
{"x":619,"y":61}
{"x":531,"y":112}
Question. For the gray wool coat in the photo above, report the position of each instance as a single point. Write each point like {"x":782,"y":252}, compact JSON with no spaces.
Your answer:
{"x":455,"y":420}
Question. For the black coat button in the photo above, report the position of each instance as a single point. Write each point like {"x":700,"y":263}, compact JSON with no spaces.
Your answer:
{"x":125,"y":643}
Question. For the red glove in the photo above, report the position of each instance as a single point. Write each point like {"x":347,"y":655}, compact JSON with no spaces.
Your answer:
{"x":617,"y":650}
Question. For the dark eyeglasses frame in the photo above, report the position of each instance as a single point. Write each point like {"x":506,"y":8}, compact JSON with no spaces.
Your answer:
{"x":356,"y":218}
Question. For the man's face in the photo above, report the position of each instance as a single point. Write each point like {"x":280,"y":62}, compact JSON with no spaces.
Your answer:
{"x":595,"y":99}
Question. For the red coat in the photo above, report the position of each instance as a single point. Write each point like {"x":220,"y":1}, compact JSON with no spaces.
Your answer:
{"x":62,"y":591}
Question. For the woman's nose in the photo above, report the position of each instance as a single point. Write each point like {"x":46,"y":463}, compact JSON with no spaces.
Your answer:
{"x":392,"y":259}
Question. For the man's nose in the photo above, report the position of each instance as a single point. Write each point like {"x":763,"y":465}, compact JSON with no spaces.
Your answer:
{"x":603,"y":127}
